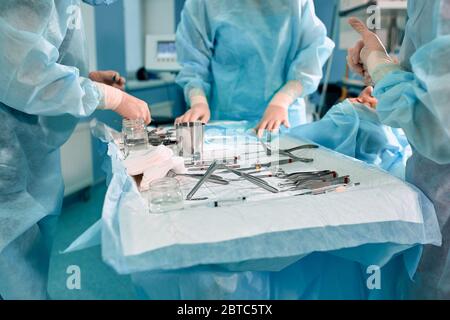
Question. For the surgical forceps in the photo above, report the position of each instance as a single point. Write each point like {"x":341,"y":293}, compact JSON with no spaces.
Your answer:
{"x":303,"y":174}
{"x":215,"y":165}
{"x":317,"y":184}
{"x":299,"y":178}
{"x":213,"y":178}
{"x":261,"y":166}
{"x":255,"y":180}
{"x":288,"y":152}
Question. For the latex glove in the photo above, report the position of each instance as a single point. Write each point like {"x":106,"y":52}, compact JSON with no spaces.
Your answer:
{"x":366,"y":98}
{"x":277,"y":113}
{"x":368,"y":53}
{"x":124,"y":104}
{"x":111,"y":78}
{"x":274,"y":117}
{"x":198,"y":112}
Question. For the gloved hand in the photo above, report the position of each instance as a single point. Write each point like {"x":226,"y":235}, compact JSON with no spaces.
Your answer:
{"x":366,"y":98}
{"x":368,"y":53}
{"x":133,"y":108}
{"x":277,"y":113}
{"x":274,"y":117}
{"x":111,"y":78}
{"x":124,"y":104}
{"x":198,"y":112}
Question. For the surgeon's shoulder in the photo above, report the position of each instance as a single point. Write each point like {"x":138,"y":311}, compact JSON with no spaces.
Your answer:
{"x":303,"y":3}
{"x":302,"y":6}
{"x":26,"y":15}
{"x":196,"y":4}
{"x":198,"y":9}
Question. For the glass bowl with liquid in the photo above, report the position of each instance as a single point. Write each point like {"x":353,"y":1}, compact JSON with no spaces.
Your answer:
{"x":135,"y":135}
{"x":165,"y":195}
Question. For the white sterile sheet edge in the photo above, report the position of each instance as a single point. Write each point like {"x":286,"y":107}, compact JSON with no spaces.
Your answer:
{"x":380,"y":198}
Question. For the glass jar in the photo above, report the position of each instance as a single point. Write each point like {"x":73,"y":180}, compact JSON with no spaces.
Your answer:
{"x":135,"y":135}
{"x":165,"y":195}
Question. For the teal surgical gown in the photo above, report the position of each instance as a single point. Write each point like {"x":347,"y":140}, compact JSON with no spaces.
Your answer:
{"x":357,"y":132}
{"x":240,"y":53}
{"x":417,"y":99}
{"x":43,"y":91}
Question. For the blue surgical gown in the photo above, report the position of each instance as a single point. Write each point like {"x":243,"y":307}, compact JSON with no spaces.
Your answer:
{"x":357,"y":132}
{"x":416,"y":98}
{"x":240,"y":53}
{"x":42,"y":93}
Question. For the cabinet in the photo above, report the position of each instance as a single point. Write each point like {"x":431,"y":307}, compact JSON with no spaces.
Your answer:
{"x":76,"y":163}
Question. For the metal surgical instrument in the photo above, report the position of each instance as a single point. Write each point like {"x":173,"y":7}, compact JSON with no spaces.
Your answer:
{"x":288,"y":152}
{"x":269,"y":164}
{"x":305,"y":179}
{"x":299,"y":175}
{"x":213,"y":178}
{"x":213,"y":167}
{"x":256,"y":181}
{"x":312,"y":185}
{"x":336,"y":188}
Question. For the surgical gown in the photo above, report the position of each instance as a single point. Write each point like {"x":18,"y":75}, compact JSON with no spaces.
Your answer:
{"x":42,"y":93}
{"x":358,"y":132}
{"x":240,"y":53}
{"x":417,"y":99}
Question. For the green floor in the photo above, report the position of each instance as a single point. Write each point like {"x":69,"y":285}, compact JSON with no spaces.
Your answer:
{"x":98,"y":281}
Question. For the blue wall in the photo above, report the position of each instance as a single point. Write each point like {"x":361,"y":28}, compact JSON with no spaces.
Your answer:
{"x":110,"y":31}
{"x":178,"y":8}
{"x":325,"y":11}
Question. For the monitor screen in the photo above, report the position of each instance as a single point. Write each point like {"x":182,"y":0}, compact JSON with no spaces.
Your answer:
{"x":166,"y":50}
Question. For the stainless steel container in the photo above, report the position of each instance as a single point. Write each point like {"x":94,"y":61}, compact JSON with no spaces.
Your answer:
{"x":190,"y":140}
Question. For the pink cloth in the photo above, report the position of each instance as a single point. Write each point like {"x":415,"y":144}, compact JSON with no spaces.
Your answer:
{"x":160,"y":171}
{"x":154,"y":164}
{"x":137,"y":164}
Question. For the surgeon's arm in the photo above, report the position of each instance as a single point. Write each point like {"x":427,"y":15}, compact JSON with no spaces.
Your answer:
{"x":31,"y":79}
{"x":315,"y":49}
{"x":194,"y":47}
{"x":109,"y":77}
{"x":419,"y":101}
{"x":277,"y":113}
{"x":304,"y":73}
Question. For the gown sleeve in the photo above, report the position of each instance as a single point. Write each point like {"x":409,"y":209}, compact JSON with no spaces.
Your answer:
{"x":32,"y":80}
